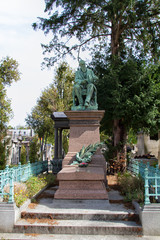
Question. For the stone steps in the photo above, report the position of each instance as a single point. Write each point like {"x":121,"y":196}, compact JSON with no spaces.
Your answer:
{"x":82,"y":222}
{"x":77,"y":217}
{"x":123,"y":216}
{"x":86,"y":227}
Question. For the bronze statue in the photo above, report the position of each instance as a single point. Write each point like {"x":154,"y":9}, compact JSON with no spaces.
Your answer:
{"x":84,"y":90}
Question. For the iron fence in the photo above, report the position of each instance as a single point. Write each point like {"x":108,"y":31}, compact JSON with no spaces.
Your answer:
{"x":19,"y":174}
{"x":151,"y":176}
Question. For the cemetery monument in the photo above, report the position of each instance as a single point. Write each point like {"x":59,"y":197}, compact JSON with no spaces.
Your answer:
{"x":76,"y":181}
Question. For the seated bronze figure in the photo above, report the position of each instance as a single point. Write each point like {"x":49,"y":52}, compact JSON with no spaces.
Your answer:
{"x":84,"y":90}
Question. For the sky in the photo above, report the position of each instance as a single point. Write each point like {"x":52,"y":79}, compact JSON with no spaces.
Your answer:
{"x":19,"y":41}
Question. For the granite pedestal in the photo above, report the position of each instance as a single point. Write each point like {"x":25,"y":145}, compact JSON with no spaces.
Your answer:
{"x":89,"y":182}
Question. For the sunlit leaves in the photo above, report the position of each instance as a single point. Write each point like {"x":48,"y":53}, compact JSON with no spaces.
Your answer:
{"x":9,"y":71}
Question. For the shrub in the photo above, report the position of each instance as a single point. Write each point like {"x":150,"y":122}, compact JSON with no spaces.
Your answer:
{"x":132,"y":187}
{"x":20,"y":193}
{"x":34,"y":185}
{"x":50,"y":179}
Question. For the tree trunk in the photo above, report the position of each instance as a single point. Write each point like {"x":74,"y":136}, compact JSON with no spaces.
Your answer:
{"x":41,"y":147}
{"x":120,"y":136}
{"x":119,"y":130}
{"x":115,"y":38}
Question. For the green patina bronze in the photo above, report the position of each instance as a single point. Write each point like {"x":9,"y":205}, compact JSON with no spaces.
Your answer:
{"x":84,"y":90}
{"x":84,"y":156}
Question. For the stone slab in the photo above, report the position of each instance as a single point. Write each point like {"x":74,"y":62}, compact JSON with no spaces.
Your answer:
{"x":83,"y":136}
{"x":79,"y":173}
{"x":110,"y":216}
{"x":151,"y":219}
{"x":21,"y":236}
{"x":7,"y":216}
{"x":81,"y":194}
{"x":115,"y":195}
{"x":78,"y":227}
{"x":81,"y":183}
{"x":85,"y":115}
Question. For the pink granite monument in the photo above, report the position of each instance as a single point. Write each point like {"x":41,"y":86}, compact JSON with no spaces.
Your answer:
{"x":88,"y":182}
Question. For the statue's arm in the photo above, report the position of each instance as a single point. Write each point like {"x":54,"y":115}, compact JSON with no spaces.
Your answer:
{"x":92,"y":77}
{"x":77,"y":78}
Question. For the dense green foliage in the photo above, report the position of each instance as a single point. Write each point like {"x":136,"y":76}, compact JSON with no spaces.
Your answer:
{"x":57,"y":97}
{"x":34,"y":150}
{"x":132,"y":97}
{"x":2,"y":155}
{"x":40,"y":117}
{"x":132,"y":187}
{"x":8,"y":74}
{"x":132,"y":94}
{"x":23,"y":155}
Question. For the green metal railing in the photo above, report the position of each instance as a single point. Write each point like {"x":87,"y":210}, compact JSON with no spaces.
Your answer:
{"x":151,"y":176}
{"x":19,"y":174}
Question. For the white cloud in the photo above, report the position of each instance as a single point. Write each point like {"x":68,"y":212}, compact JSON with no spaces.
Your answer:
{"x":22,"y":7}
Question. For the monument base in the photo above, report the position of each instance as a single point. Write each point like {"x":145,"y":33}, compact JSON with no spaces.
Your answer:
{"x":83,"y":182}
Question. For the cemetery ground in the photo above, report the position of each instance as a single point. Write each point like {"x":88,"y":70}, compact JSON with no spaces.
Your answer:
{"x":39,"y":217}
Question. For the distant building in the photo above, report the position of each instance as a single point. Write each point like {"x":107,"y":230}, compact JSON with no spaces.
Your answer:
{"x":20,"y":132}
{"x":19,"y":137}
{"x":16,"y":136}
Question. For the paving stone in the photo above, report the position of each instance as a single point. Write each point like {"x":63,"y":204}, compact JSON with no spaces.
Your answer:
{"x":115,"y":195}
{"x":21,"y":236}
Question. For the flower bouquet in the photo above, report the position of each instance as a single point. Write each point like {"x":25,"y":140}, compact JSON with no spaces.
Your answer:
{"x":83,"y":164}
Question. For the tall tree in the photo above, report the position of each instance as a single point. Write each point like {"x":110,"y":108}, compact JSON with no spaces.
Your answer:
{"x":132,"y":24}
{"x":40,"y":117}
{"x":116,"y":28}
{"x":34,"y":150}
{"x":63,"y":81}
{"x":57,"y":97}
{"x":8,"y":73}
{"x":132,"y":96}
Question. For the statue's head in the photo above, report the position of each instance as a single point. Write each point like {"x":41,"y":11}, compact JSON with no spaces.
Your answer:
{"x":82,"y":65}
